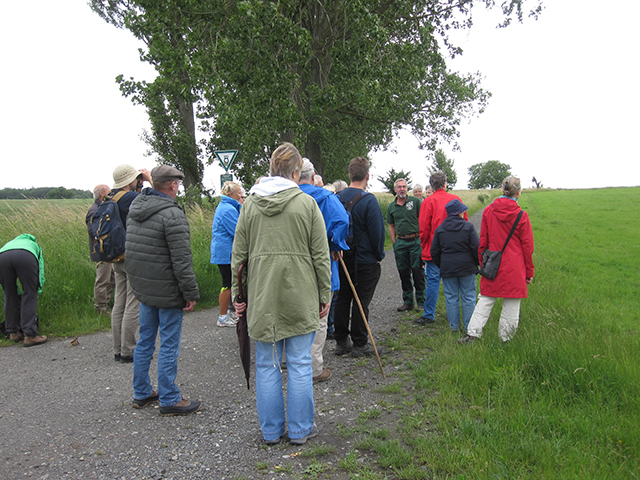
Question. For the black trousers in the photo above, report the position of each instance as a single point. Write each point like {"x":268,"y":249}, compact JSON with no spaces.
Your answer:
{"x":348,"y":320}
{"x":20,"y":311}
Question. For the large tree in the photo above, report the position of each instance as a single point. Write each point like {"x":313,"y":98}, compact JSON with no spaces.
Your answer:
{"x":488,"y":174}
{"x":337,"y":78}
{"x":389,"y":180}
{"x":442,"y":164}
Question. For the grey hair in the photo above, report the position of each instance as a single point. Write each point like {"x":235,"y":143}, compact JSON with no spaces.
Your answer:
{"x":340,"y":185}
{"x":438,"y":180}
{"x":98,"y":189}
{"x":395,"y":184}
{"x":417,"y":186}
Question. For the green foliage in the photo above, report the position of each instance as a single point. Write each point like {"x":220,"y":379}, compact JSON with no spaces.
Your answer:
{"x":390,"y":179}
{"x":488,"y":174}
{"x":442,"y":164}
{"x":335,"y":78}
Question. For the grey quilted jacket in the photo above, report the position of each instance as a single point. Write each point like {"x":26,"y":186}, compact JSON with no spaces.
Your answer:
{"x":158,"y":258}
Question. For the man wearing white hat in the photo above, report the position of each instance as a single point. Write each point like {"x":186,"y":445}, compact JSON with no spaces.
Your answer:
{"x":125,"y":312}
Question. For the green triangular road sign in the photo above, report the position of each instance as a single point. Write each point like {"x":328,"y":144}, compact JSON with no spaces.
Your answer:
{"x":226,"y":158}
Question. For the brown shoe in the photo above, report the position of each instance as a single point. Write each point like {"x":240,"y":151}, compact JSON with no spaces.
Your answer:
{"x":405,"y":308}
{"x":323,"y":377}
{"x":37,"y":340}
{"x":16,"y":337}
{"x":183,"y":407}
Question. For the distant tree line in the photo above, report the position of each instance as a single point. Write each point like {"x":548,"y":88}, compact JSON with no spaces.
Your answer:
{"x":49,"y":193}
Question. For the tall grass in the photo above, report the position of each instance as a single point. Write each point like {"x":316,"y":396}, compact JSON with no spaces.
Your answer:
{"x":561,"y":399}
{"x":65,"y":306}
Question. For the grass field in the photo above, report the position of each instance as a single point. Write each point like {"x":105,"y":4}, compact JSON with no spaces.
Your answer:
{"x":559,"y":401}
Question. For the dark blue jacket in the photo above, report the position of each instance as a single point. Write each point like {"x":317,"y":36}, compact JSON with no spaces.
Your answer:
{"x":368,"y":226}
{"x":455,"y":248}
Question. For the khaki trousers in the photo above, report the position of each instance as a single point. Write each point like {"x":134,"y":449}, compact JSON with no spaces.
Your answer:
{"x":125,"y":314}
{"x":317,"y":361}
{"x":103,"y":286}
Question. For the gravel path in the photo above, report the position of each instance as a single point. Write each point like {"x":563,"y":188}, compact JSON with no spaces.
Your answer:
{"x":65,"y":411}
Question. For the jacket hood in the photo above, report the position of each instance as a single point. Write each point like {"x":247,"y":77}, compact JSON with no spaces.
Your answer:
{"x":272,"y":185}
{"x":318,"y":193}
{"x":275,"y":203}
{"x":453,"y":224}
{"x":150,"y":202}
{"x":231,"y":201}
{"x":505,"y":209}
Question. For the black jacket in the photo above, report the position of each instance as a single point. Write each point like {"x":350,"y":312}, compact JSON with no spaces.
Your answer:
{"x":158,"y":252}
{"x":455,"y":248}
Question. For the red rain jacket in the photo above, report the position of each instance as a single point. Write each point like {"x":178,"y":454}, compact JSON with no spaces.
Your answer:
{"x":432,"y":214}
{"x":517,"y":260}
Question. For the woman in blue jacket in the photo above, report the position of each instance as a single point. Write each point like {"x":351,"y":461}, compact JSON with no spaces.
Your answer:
{"x":223,"y":232}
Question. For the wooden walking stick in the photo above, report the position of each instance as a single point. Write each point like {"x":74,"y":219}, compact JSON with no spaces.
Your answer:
{"x":366,"y":324}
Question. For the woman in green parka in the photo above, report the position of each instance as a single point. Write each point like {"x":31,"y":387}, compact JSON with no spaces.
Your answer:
{"x":281,"y":236}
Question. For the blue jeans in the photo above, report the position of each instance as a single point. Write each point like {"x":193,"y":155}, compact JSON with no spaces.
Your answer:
{"x":432,"y":272}
{"x":332,"y":309}
{"x":269,"y":396}
{"x":168,"y":322}
{"x":460,"y":290}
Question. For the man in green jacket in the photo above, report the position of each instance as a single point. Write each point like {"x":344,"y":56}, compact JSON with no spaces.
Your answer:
{"x":21,"y":259}
{"x":282,"y":238}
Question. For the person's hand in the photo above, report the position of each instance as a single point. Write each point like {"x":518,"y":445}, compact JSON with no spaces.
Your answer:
{"x":324,"y":309}
{"x":336,"y":255}
{"x":240,"y":307}
{"x":146,"y":174}
{"x":529,"y":280}
{"x":190,"y":306}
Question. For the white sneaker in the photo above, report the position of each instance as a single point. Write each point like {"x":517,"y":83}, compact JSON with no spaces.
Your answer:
{"x":225,"y":321}
{"x":233,"y":317}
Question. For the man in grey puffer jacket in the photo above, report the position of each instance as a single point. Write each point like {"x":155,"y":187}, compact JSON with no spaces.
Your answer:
{"x":159,"y":265}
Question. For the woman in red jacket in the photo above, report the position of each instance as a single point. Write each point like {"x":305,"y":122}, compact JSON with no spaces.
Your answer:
{"x":516,"y":267}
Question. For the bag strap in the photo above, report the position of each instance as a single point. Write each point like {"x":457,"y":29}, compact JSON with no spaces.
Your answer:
{"x":513,"y":229}
{"x":118,"y":196}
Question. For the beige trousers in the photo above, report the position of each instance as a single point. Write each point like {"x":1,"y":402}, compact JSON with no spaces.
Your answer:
{"x":509,"y":317}
{"x":125,"y":315}
{"x":317,"y":361}
{"x":103,"y":286}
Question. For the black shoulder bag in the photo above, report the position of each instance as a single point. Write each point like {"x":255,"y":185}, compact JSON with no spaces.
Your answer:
{"x":491,"y":259}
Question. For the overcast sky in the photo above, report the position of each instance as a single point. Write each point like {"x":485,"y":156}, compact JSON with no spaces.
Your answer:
{"x":564,"y":108}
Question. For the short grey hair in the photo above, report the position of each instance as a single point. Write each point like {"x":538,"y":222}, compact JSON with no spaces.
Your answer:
{"x":438,"y":180}
{"x":417,"y":186}
{"x":395,"y":184}
{"x":340,"y":185}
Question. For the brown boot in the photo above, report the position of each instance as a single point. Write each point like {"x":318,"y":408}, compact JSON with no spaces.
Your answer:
{"x":37,"y":340}
{"x":16,"y":336}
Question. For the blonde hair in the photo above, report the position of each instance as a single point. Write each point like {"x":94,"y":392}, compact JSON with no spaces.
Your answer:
{"x":285,"y":160}
{"x":229,"y":188}
{"x":511,"y":186}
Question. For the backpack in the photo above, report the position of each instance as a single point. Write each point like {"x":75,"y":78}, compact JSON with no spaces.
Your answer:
{"x":108,"y":230}
{"x":348,"y":206}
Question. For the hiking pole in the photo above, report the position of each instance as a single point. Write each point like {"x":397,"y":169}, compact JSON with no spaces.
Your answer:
{"x":366,"y":324}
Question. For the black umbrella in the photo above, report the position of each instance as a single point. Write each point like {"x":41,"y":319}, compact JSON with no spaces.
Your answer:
{"x":241,"y":329}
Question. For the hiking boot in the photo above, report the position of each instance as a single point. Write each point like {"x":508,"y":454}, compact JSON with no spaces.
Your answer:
{"x":303,"y":440}
{"x":116,"y":357}
{"x":16,"y":337}
{"x":424,"y":321}
{"x":225,"y":321}
{"x":126,"y":359}
{"x":405,"y":308}
{"x":37,"y":340}
{"x":467,"y":339}
{"x":273,"y":442}
{"x":154,"y":397}
{"x":323,"y":377}
{"x":342,"y":348}
{"x":183,"y":407}
{"x":365,"y":350}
